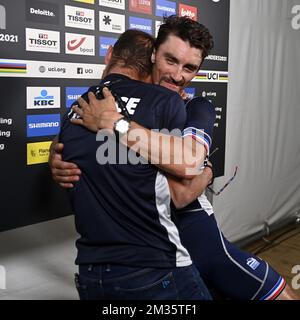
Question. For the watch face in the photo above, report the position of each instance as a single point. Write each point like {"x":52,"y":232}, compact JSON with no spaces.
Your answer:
{"x":122,"y":126}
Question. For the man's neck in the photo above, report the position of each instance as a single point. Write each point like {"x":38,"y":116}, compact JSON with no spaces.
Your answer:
{"x":130,"y":73}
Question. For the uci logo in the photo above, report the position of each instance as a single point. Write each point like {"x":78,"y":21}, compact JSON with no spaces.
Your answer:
{"x":296,"y":18}
{"x":213,"y":76}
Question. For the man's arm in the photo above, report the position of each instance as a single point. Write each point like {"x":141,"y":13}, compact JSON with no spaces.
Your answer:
{"x":178,"y":156}
{"x":184,"y":192}
{"x":64,"y":173}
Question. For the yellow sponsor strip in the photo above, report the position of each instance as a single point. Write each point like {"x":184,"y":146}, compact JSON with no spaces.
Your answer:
{"x":12,"y":71}
{"x":86,"y":1}
{"x":38,"y":152}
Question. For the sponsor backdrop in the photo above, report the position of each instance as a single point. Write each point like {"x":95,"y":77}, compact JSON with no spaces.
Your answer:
{"x":50,"y":53}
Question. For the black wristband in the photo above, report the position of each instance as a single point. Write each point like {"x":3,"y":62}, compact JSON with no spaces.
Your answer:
{"x":206,"y":165}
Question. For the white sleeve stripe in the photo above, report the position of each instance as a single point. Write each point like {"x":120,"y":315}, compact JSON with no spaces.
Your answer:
{"x":199,"y":133}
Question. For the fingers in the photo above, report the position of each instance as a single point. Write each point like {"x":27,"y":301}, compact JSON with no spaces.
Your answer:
{"x":65,"y":176}
{"x":92,"y":96}
{"x":77,"y":121}
{"x":82,"y":103}
{"x":58,"y":147}
{"x":78,"y":110}
{"x":66,"y":185}
{"x":106,"y":93}
{"x":58,"y":164}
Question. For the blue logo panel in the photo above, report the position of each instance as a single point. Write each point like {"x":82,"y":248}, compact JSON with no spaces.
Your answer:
{"x":165,"y":8}
{"x":43,"y":125}
{"x":73,"y":93}
{"x":105,"y":42}
{"x":191,"y":92}
{"x":140,"y":24}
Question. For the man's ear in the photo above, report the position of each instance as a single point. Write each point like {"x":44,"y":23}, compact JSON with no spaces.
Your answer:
{"x":153,"y":56}
{"x":108,"y":55}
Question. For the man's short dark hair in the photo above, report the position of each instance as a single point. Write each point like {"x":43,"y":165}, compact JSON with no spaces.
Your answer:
{"x":187,"y":30}
{"x":133,"y":50}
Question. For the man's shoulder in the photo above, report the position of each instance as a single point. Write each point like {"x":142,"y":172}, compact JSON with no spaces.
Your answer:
{"x":163,"y":90}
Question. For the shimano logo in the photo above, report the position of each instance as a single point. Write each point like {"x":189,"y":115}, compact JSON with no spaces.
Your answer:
{"x":166,"y":9}
{"x":43,"y":125}
{"x":73,"y":96}
{"x":40,"y":12}
{"x":140,"y":27}
{"x":2,"y":17}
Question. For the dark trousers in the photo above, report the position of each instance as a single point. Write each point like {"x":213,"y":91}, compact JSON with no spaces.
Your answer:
{"x":116,"y":282}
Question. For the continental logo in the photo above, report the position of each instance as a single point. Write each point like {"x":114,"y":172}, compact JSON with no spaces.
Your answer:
{"x":211,"y":76}
{"x":11,"y":67}
{"x":38,"y":152}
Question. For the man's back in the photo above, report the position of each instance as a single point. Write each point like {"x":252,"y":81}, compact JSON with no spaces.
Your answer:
{"x":122,"y":210}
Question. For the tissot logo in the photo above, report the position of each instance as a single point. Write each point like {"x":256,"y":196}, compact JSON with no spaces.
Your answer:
{"x":140,"y":24}
{"x":79,"y":18}
{"x":42,"y":40}
{"x":188,"y":11}
{"x":165,"y":8}
{"x":43,"y":97}
{"x":118,"y":4}
{"x":43,"y":12}
{"x":80,"y":44}
{"x":141,"y":6}
{"x":2,"y":17}
{"x":111,"y":22}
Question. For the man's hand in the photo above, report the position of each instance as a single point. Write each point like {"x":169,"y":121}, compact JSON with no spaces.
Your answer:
{"x":64,"y":173}
{"x":97,"y":114}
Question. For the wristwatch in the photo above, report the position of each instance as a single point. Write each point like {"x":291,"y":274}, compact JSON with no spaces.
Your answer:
{"x":122,"y":126}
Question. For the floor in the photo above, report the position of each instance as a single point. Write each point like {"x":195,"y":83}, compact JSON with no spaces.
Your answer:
{"x":282,"y":250}
{"x":39,"y":259}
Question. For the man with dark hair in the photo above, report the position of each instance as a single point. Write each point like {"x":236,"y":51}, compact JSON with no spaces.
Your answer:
{"x":180,"y":49}
{"x":129,"y":248}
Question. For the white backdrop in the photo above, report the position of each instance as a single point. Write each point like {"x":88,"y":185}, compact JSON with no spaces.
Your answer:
{"x":263,"y":117}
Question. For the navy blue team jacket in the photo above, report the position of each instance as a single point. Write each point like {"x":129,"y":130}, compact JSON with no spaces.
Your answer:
{"x":122,"y":211}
